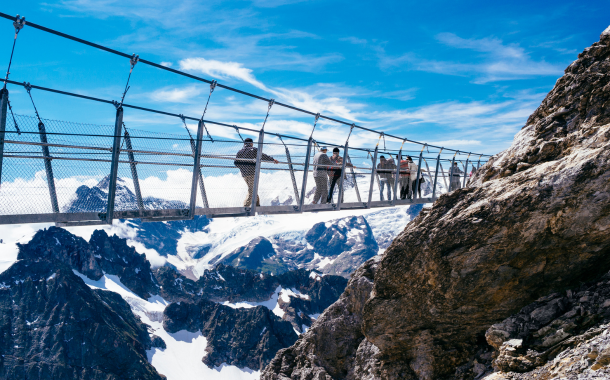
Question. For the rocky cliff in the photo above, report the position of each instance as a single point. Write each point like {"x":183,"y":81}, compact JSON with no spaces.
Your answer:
{"x":534,"y":221}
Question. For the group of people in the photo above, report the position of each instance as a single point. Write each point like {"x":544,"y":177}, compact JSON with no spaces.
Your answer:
{"x":329,"y":170}
{"x":326,"y":169}
{"x":386,"y":169}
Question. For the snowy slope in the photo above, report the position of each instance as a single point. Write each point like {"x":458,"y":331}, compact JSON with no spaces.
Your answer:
{"x":181,"y":359}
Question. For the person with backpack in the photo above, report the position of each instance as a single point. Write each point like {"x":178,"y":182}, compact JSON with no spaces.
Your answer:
{"x":321,"y":163}
{"x":245,"y":161}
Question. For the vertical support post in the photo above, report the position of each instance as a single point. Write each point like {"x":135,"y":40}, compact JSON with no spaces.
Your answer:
{"x":443,"y":174}
{"x":294,"y":180}
{"x":134,"y":171}
{"x":415,"y":193}
{"x":3,"y":105}
{"x":438,"y":163}
{"x":48,"y":167}
{"x":465,"y":172}
{"x":257,"y":172}
{"x":397,"y":178}
{"x":428,"y":171}
{"x":340,"y":199}
{"x":114,"y":166}
{"x":351,"y":168}
{"x":204,"y":195}
{"x":373,"y":174}
{"x":196,"y":168}
{"x":305,"y":175}
{"x":451,"y":174}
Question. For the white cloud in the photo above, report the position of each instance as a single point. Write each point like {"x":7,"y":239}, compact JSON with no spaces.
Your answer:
{"x":166,"y":64}
{"x":176,"y":95}
{"x":497,"y":62}
{"x":221,"y":70}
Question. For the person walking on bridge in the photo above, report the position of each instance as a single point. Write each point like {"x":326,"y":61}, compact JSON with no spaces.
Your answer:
{"x":455,"y":177}
{"x":412,"y":178}
{"x":404,"y":177}
{"x":321,"y":164}
{"x":245,"y":161}
{"x":335,"y":173}
{"x":385,"y":169}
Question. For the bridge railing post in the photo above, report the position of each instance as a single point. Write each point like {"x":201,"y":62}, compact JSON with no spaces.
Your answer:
{"x":196,"y":148}
{"x":397,"y":176}
{"x":451,"y":174}
{"x":292,"y":177}
{"x":438,"y":163}
{"x":340,"y":199}
{"x":416,"y":191}
{"x":134,"y":171}
{"x":305,"y":175}
{"x":351,"y":169}
{"x":114,"y":166}
{"x":465,"y":172}
{"x":48,"y":166}
{"x":204,"y":195}
{"x":257,"y":172}
{"x":3,"y":108}
{"x":373,"y":174}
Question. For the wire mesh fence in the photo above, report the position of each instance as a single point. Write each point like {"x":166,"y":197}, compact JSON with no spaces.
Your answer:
{"x":63,"y":167}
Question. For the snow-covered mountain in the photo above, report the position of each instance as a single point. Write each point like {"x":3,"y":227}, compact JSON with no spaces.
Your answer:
{"x":68,"y":303}
{"x":331,"y":242}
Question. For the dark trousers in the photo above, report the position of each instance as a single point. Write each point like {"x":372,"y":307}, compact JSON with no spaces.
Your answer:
{"x":333,"y":182}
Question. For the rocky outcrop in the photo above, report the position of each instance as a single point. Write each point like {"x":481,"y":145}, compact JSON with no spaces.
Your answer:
{"x":258,"y":254}
{"x":328,"y":349}
{"x":53,"y":326}
{"x":57,"y":244}
{"x":534,"y":221}
{"x":336,"y":247}
{"x":114,"y":256}
{"x":549,"y":326}
{"x":241,"y":337}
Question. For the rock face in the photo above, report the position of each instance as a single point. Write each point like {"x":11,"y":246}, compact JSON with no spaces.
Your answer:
{"x":53,"y":326}
{"x":534,"y":220}
{"x":552,"y":324}
{"x":242,"y":337}
{"x":258,"y":254}
{"x":328,"y":349}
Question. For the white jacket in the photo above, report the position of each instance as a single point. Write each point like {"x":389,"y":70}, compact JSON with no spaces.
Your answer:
{"x":413,"y":171}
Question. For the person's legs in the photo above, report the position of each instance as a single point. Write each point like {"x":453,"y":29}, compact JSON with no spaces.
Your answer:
{"x":382,"y":183}
{"x":333,"y":182}
{"x":403,"y":187}
{"x":250,"y":182}
{"x":390,"y":188}
{"x":321,"y":190}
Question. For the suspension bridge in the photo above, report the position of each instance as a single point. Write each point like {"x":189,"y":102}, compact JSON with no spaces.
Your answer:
{"x":85,"y":174}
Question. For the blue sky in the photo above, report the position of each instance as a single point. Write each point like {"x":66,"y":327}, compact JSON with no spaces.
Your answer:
{"x":458,"y":74}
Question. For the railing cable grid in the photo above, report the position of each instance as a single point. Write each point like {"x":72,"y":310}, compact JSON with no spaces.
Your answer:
{"x":75,"y":174}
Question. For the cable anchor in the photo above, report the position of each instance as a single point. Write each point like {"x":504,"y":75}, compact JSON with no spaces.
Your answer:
{"x":19,"y":23}
{"x":237,"y":130}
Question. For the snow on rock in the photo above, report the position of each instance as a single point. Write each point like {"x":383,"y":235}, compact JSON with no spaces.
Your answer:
{"x":181,"y":359}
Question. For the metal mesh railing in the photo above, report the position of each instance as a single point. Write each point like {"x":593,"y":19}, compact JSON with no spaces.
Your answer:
{"x":68,"y":164}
